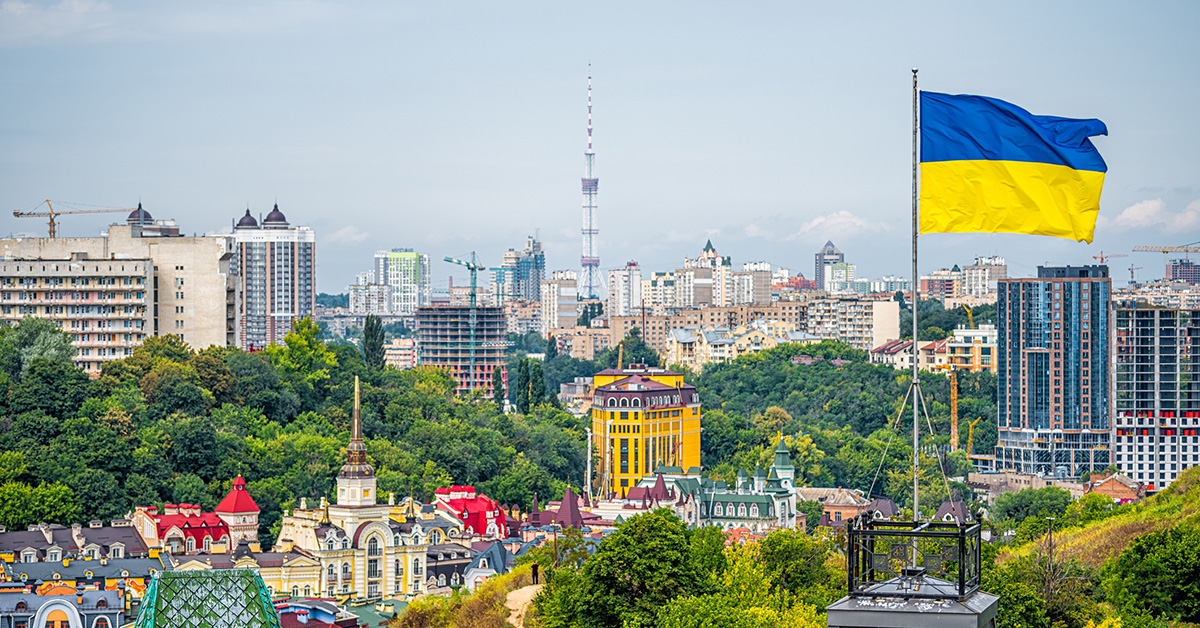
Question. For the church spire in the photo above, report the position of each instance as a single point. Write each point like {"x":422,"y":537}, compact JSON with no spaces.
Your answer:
{"x":356,"y":452}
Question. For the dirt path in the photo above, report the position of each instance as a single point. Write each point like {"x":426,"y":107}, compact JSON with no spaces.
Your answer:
{"x":518,"y":601}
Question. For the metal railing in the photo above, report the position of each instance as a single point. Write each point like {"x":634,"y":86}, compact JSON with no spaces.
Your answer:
{"x":906,"y":559}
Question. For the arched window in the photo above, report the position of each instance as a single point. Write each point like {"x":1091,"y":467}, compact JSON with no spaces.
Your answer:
{"x":435,"y":536}
{"x":399,"y":568}
{"x":718,"y":511}
{"x":101,"y":622}
{"x":21,"y":606}
{"x":345,"y":543}
{"x":624,"y":402}
{"x":396,"y":541}
{"x":753,"y":510}
{"x":191,"y":544}
{"x":373,"y":546}
{"x":346,"y":570}
{"x":207,"y":543}
{"x":442,"y":580}
{"x":637,"y":403}
{"x":329,"y":544}
{"x":417,"y":566}
{"x":331,"y":573}
{"x":307,"y":590}
{"x":612,"y":402}
{"x":295,"y":591}
{"x":101,"y":604}
{"x":741,"y":510}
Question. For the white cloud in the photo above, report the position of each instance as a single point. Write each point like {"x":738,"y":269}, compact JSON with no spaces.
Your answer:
{"x":755,"y":231}
{"x":348,"y":235}
{"x":1154,"y":212}
{"x":839,"y":224}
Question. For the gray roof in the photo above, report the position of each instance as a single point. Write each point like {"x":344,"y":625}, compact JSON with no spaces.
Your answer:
{"x":61,"y":537}
{"x":496,"y":555}
{"x":135,"y":567}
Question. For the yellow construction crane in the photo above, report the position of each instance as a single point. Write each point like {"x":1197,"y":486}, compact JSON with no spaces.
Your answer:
{"x":970,"y":316}
{"x":1167,"y":249}
{"x":51,"y":212}
{"x":971,"y":437}
{"x":1103,"y":257}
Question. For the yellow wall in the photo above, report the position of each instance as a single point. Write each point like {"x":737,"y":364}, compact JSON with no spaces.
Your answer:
{"x":656,"y":427}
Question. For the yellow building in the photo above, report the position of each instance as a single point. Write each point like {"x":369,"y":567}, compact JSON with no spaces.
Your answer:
{"x":642,"y":418}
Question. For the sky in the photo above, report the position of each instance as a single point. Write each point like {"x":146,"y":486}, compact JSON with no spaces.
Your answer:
{"x":769,"y":127}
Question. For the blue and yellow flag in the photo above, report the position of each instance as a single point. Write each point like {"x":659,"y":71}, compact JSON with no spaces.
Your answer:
{"x":989,"y":166}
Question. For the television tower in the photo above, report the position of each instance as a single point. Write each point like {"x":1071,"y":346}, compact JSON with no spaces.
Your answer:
{"x":590,"y":261}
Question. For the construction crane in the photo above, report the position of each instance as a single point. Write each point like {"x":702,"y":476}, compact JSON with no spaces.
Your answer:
{"x":1132,"y":268}
{"x":474,"y":266}
{"x":970,"y":316}
{"x":1186,"y":248}
{"x":51,"y":212}
{"x":1104,"y":257}
{"x":971,"y":437}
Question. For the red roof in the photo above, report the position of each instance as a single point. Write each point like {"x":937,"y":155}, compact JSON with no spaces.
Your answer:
{"x":238,"y":500}
{"x":475,"y":513}
{"x":195,"y":526}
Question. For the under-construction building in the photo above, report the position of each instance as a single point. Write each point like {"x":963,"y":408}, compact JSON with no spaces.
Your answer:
{"x":1053,"y":371}
{"x":445,"y":340}
{"x":1156,"y":405}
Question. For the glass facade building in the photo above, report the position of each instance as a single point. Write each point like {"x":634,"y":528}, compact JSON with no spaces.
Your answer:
{"x":1053,"y":355}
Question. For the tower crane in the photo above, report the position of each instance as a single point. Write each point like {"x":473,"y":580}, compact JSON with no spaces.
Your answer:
{"x":970,"y":316}
{"x":1132,"y":268}
{"x":51,"y":212}
{"x":971,"y":436}
{"x":1186,"y":248}
{"x":474,"y":266}
{"x":1103,"y":257}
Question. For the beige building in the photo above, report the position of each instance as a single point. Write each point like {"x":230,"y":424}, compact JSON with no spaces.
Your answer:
{"x":189,"y":291}
{"x":973,"y":350}
{"x":402,"y":353}
{"x":696,"y":347}
{"x":860,"y":323}
{"x":522,"y":317}
{"x":657,"y":328}
{"x":560,"y":302}
{"x":584,"y":343}
{"x":107,"y":306}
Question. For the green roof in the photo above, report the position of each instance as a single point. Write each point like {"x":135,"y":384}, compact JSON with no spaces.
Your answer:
{"x":212,"y":598}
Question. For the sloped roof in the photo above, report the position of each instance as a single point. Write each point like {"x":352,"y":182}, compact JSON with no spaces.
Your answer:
{"x":217,"y":598}
{"x":238,"y":499}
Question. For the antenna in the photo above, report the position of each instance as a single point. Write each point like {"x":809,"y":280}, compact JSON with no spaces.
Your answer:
{"x":590,"y":260}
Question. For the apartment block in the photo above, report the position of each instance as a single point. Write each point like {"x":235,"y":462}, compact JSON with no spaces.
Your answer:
{"x":275,"y":268}
{"x":445,"y":339}
{"x":979,"y":280}
{"x":107,"y":306}
{"x":520,"y":274}
{"x":1156,"y":396}
{"x":697,"y":347}
{"x":369,"y":298}
{"x":656,"y":329}
{"x":402,"y":353}
{"x":522,"y":317}
{"x":1053,"y":341}
{"x":559,"y":302}
{"x":659,"y":293}
{"x":406,"y":274}
{"x":1185,"y":270}
{"x":860,"y":323}
{"x":584,"y":343}
{"x":625,"y":290}
{"x":192,"y":289}
{"x":826,"y":257}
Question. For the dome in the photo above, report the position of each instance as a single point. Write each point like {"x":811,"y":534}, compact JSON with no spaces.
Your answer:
{"x":247,"y":221}
{"x":139,"y":216}
{"x":275,"y":218}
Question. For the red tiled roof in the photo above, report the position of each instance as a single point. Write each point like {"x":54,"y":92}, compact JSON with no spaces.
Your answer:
{"x":238,"y":500}
{"x":195,"y":526}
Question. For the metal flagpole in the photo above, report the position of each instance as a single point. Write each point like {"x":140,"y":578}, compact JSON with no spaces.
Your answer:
{"x":916,"y":378}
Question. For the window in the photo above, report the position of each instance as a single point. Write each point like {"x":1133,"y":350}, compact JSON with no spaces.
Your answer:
{"x":117,"y":552}
{"x":101,"y":603}
{"x":295,"y":591}
{"x":207,"y":543}
{"x":28,"y":557}
{"x":101,"y":622}
{"x":441,"y":580}
{"x":21,"y":606}
{"x":191,"y":544}
{"x":53,"y":555}
{"x":329,"y":544}
{"x":373,"y":546}
{"x":331,"y":574}
{"x":307,"y":590}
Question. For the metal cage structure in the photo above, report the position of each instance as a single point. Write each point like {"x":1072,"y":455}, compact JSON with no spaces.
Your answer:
{"x":908,"y":559}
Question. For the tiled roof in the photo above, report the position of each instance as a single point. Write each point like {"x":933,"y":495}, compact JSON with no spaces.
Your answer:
{"x":238,"y":500}
{"x":218,"y":598}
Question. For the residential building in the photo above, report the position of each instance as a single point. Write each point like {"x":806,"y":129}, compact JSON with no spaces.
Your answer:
{"x":585,"y":343}
{"x":642,"y":418}
{"x":191,"y":286}
{"x":58,"y":605}
{"x":657,"y":329}
{"x":480,"y":514}
{"x":521,"y":273}
{"x":1053,"y":371}
{"x":751,"y":287}
{"x":706,"y":280}
{"x":127,"y":577}
{"x":989,"y":485}
{"x":107,"y":306}
{"x":696,"y":347}
{"x":826,"y":257}
{"x":942,"y":284}
{"x":54,"y":543}
{"x":973,"y":350}
{"x":659,"y":293}
{"x":1120,"y":487}
{"x":369,"y":298}
{"x":840,"y":276}
{"x":981,"y":278}
{"x":283,"y":573}
{"x":275,"y":269}
{"x":523,"y":317}
{"x":407,"y":275}
{"x":839,"y":505}
{"x":1171,"y":294}
{"x":402,"y":353}
{"x":559,"y":302}
{"x":184,"y":529}
{"x":1184,"y":270}
{"x":1155,"y":400}
{"x":625,"y":290}
{"x":446,"y":340}
{"x":860,"y":323}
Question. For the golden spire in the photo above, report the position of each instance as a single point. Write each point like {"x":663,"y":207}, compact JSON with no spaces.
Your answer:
{"x":356,"y":452}
{"x":356,"y":421}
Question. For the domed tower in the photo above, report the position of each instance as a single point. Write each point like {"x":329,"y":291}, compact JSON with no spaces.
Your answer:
{"x":247,"y":221}
{"x":356,"y":481}
{"x":139,"y":216}
{"x":275,"y":219}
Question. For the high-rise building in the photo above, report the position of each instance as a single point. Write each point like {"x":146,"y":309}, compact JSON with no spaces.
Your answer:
{"x":370,"y":298}
{"x":659,"y":292}
{"x":559,"y":302}
{"x":624,"y":290}
{"x":406,"y":272}
{"x":446,"y":341}
{"x":826,"y":257}
{"x":861,"y":323}
{"x":520,"y":275}
{"x":840,"y":276}
{"x":642,"y":418}
{"x":1183,"y":270}
{"x":1053,"y":371}
{"x":750,"y":287}
{"x":190,"y":289}
{"x":1156,"y":397}
{"x":980,"y":278}
{"x":942,"y":284}
{"x":275,"y":266}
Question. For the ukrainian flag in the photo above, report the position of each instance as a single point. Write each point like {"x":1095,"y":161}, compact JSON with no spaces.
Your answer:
{"x":989,"y":166}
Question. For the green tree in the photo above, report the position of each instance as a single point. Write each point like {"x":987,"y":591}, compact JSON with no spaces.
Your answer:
{"x":588,"y":312}
{"x":537,"y":384}
{"x":551,"y":348}
{"x":1032,"y":502}
{"x":98,"y":493}
{"x":636,"y":570}
{"x":214,"y":376}
{"x":52,"y":386}
{"x":32,"y":338}
{"x":12,"y":466}
{"x":812,"y":510}
{"x":190,"y":489}
{"x":800,"y":564}
{"x":523,"y":387}
{"x":1160,"y":573}
{"x":22,"y":505}
{"x":498,"y":387}
{"x":372,"y":342}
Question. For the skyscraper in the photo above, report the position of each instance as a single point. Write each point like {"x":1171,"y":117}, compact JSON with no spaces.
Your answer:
{"x":520,"y":275}
{"x":274,"y":264}
{"x":407,"y":273}
{"x":1156,"y":397}
{"x":1053,"y":371}
{"x":625,"y":290}
{"x":826,"y":257}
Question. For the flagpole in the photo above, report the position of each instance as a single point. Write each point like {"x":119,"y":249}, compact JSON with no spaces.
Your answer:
{"x":916,"y":378}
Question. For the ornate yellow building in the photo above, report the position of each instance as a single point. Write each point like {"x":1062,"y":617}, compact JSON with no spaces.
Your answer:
{"x":366,"y":550}
{"x":642,"y":418}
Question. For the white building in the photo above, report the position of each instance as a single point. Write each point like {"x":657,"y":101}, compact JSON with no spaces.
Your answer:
{"x":860,"y":323}
{"x":370,"y":298}
{"x":274,"y":264}
{"x":980,"y":279}
{"x":559,"y":302}
{"x":624,"y":290}
{"x":407,"y":273}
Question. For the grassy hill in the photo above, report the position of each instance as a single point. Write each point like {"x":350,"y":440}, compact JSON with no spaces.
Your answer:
{"x":1096,"y":542}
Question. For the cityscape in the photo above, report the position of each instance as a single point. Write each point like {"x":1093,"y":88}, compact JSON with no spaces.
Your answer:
{"x":535,"y":401}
